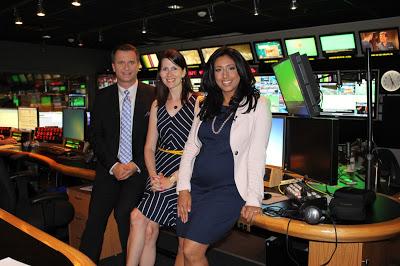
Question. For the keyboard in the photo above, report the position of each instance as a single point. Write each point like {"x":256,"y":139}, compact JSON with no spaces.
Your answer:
{"x":300,"y":192}
{"x":53,"y":148}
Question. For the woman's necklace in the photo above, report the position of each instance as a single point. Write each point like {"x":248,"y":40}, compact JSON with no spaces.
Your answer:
{"x":216,"y":132}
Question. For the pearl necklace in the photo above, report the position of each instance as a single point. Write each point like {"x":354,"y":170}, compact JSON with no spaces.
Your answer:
{"x":216,"y":132}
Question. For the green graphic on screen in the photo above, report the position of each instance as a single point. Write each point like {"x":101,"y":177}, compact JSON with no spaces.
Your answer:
{"x":288,"y":83}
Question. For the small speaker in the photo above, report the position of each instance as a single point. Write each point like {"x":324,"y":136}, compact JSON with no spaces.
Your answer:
{"x":273,"y":176}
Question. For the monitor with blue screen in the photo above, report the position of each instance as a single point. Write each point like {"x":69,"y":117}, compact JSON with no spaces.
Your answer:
{"x":51,"y":119}
{"x":269,"y":88}
{"x":276,"y":144}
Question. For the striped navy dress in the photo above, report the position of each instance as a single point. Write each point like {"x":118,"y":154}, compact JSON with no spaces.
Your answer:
{"x":160,"y":206}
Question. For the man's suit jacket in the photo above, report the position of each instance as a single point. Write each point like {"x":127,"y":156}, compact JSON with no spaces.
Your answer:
{"x":106,"y":127}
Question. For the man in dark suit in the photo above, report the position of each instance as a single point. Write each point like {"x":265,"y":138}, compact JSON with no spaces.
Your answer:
{"x":119,"y":128}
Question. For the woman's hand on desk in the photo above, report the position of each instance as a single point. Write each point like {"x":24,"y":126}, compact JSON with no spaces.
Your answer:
{"x":249,"y":212}
{"x":184,"y":205}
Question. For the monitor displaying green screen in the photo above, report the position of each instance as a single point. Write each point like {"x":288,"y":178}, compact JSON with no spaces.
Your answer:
{"x":149,"y":60}
{"x":192,"y":57}
{"x":45,"y":100}
{"x":74,"y":123}
{"x":76,"y":100}
{"x":302,"y":46}
{"x":269,"y":50}
{"x":338,"y":44}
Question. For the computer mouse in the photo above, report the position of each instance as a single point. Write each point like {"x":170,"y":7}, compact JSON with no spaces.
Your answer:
{"x":267,"y":196}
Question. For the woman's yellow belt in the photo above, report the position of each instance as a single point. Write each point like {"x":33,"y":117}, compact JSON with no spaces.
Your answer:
{"x":176,"y":152}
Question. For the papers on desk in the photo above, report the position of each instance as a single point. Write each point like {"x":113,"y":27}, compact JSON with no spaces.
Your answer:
{"x":85,"y":188}
{"x":11,"y":262}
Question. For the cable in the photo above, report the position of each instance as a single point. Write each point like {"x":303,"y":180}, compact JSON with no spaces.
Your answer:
{"x":287,"y":244}
{"x":336,"y":240}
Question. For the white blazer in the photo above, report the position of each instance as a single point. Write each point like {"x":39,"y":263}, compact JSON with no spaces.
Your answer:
{"x":248,"y":139}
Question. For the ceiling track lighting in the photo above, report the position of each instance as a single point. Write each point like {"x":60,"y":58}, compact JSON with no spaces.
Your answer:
{"x":40,"y":11}
{"x":80,"y":42}
{"x":18,"y":19}
{"x":293,"y":5}
{"x":255,"y":4}
{"x":76,"y":3}
{"x":211,"y":13}
{"x":144,"y":26}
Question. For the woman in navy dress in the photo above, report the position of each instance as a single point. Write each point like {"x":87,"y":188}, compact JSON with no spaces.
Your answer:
{"x":222,"y":167}
{"x":171,"y":117}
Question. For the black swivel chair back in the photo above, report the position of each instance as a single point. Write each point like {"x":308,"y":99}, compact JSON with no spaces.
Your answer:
{"x":389,"y":172}
{"x":50,"y":212}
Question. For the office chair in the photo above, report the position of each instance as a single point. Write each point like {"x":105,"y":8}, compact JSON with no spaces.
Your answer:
{"x":388,"y":171}
{"x":50,"y":212}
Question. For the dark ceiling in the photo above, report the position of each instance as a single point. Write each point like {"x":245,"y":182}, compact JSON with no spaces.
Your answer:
{"x":102,"y":24}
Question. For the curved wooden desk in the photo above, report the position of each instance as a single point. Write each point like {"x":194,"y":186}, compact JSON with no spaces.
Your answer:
{"x":84,"y":173}
{"x":356,"y":242}
{"x":67,"y":253}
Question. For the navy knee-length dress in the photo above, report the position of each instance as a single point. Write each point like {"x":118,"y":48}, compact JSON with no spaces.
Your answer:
{"x":216,"y":202}
{"x":160,"y":206}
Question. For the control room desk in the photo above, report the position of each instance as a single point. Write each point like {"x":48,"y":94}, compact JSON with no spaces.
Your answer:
{"x":25,"y":243}
{"x":71,"y":168}
{"x":375,"y":241}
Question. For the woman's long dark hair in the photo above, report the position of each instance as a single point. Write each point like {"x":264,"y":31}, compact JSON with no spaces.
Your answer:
{"x":246,"y":89}
{"x":162,"y":90}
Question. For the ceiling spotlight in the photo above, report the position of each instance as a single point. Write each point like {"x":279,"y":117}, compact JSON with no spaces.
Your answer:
{"x":293,"y":6}
{"x":40,"y":11}
{"x":211,"y":13}
{"x":175,"y":6}
{"x":144,"y":26}
{"x":76,"y":3}
{"x":255,"y":3}
{"x":46,"y":36}
{"x":18,"y":19}
{"x":201,"y":13}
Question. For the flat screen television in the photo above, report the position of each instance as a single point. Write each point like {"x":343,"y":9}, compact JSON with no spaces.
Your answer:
{"x":207,"y":52}
{"x":149,"y":60}
{"x":312,"y":148}
{"x":27,"y":118}
{"x":9,"y":117}
{"x":77,"y":100}
{"x":268,"y":50}
{"x":244,"y":49}
{"x":51,"y":119}
{"x":74,"y":124}
{"x":297,"y":85}
{"x":269,"y":88}
{"x":304,"y":45}
{"x":276,"y":144}
{"x":349,"y":98}
{"x":45,"y":100}
{"x":192,"y":57}
{"x":338,"y":44}
{"x":380,"y":40}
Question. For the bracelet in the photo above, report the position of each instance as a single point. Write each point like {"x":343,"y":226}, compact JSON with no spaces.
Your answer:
{"x":173,"y":179}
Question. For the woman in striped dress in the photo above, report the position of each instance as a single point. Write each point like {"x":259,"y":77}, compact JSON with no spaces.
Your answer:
{"x":170,"y":121}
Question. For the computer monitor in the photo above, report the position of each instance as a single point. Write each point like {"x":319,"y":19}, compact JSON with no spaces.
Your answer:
{"x":338,"y":44}
{"x":305,"y":45}
{"x":206,"y":52}
{"x":269,"y":88}
{"x":77,"y":100}
{"x":192,"y":57}
{"x":74,"y":124}
{"x":349,"y":98}
{"x":27,"y":118}
{"x":149,"y":60}
{"x":268,"y":50}
{"x":380,"y":40}
{"x":276,"y":144}
{"x":45,"y":100}
{"x":51,"y":119}
{"x":244,"y":49}
{"x":8,"y":117}
{"x":312,"y":148}
{"x":196,"y":84}
{"x":298,"y":86}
